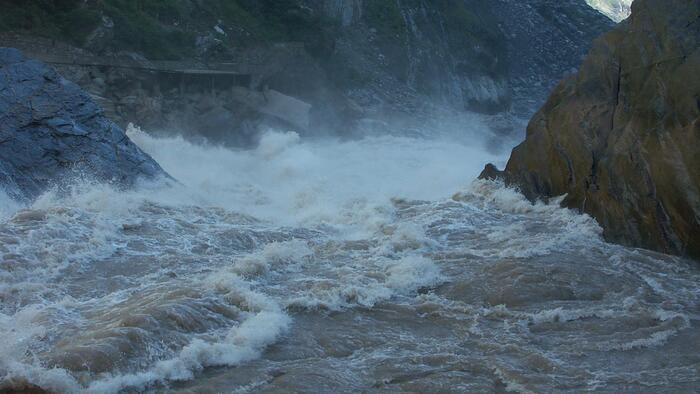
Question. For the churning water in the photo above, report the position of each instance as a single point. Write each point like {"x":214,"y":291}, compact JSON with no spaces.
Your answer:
{"x":332,"y":266}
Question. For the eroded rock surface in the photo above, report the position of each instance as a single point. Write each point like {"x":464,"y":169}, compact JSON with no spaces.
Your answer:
{"x":51,"y":130}
{"x":622,"y":138}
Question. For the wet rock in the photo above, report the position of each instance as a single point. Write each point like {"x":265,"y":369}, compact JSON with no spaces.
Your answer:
{"x":51,"y":130}
{"x":491,"y":172}
{"x":622,"y":137}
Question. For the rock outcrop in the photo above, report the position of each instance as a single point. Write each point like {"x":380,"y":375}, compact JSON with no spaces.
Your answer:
{"x":51,"y":130}
{"x":622,"y":137}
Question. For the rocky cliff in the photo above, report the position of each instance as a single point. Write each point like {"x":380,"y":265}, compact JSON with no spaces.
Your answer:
{"x":621,"y":138}
{"x":472,"y":55}
{"x":546,"y":40}
{"x":51,"y":130}
{"x":359,"y":59}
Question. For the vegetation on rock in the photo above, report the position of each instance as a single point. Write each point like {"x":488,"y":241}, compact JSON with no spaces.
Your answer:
{"x":165,"y":29}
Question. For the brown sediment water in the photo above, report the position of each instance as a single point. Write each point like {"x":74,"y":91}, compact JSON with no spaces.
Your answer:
{"x":318,"y":272}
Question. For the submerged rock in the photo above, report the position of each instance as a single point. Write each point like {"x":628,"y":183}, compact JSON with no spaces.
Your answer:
{"x":622,"y":137}
{"x":51,"y":130}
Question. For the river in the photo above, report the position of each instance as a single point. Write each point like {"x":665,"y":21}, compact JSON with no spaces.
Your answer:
{"x":327,"y":265}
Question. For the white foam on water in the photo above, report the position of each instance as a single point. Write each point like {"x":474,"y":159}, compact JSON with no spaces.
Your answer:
{"x":376,"y":280}
{"x":316,"y":224}
{"x":8,"y":206}
{"x":411,"y":273}
{"x":19,"y":332}
{"x":243,"y":343}
{"x":286,"y":252}
{"x":405,"y":237}
{"x":292,"y":181}
{"x":516,"y":238}
{"x":670,"y":324}
{"x":286,"y":255}
{"x":564,"y":315}
{"x":263,"y":324}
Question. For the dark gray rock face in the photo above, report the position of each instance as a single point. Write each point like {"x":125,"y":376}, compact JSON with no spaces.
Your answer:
{"x":483,"y":56}
{"x":51,"y":130}
{"x":546,"y":40}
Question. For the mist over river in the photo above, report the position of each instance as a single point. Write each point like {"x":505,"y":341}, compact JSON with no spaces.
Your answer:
{"x":328,"y":265}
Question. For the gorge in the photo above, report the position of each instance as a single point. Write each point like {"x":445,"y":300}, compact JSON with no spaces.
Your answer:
{"x":282,"y":196}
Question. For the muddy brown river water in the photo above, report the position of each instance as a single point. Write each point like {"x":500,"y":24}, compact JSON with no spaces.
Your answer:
{"x":357,"y":266}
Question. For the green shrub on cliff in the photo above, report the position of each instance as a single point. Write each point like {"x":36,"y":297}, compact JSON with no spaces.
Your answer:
{"x":166,"y":29}
{"x":66,"y":18}
{"x":138,"y":26}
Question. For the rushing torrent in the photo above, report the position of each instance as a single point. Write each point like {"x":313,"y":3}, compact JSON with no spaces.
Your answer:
{"x":332,"y":266}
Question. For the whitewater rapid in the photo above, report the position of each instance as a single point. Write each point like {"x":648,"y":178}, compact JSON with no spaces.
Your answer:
{"x":326,"y":265}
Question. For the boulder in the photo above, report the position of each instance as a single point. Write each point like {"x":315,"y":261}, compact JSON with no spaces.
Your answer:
{"x":51,"y":131}
{"x":621,"y":138}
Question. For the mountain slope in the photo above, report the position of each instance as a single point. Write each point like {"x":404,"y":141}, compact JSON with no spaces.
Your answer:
{"x":383,"y":60}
